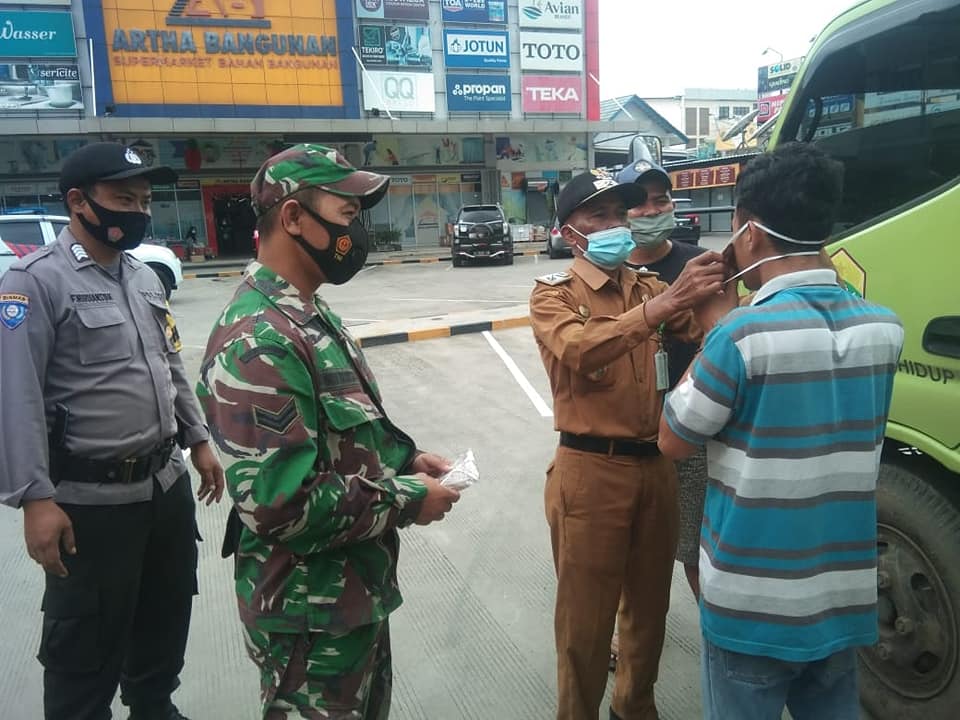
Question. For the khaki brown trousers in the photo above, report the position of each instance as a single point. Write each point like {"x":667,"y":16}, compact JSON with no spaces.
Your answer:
{"x":613,"y":525}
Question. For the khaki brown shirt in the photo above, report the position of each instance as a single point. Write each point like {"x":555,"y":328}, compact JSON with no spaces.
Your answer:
{"x":598,"y":350}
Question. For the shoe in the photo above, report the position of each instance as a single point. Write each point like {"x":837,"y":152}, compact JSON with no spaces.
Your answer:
{"x":162,"y":712}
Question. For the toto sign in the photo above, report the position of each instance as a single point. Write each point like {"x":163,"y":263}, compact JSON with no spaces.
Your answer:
{"x":552,"y":94}
{"x":551,"y":51}
{"x":398,"y":91}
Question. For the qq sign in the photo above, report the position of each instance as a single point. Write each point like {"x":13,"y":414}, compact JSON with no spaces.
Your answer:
{"x":398,"y":91}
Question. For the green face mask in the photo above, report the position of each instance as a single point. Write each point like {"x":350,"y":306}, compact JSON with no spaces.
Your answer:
{"x":653,"y":231}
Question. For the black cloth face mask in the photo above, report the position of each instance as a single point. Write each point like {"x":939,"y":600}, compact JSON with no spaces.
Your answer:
{"x":118,"y":229}
{"x":346,"y":253}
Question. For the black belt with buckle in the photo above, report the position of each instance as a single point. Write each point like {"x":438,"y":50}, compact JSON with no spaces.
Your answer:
{"x":609,"y":446}
{"x":122,"y":472}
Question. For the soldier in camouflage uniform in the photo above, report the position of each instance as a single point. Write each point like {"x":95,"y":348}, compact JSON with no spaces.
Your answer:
{"x":321,"y":479}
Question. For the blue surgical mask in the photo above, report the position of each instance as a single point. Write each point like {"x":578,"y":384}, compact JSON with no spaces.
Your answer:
{"x":607,"y":249}
{"x":652,"y":231}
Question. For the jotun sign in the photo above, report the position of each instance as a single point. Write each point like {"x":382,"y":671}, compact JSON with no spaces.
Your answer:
{"x":212,"y":58}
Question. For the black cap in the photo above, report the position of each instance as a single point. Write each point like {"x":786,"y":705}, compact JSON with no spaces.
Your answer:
{"x":593,"y":184}
{"x":642,"y":170}
{"x":109,"y":161}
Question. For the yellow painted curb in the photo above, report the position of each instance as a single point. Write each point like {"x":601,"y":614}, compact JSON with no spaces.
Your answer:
{"x":430,"y":334}
{"x":392,"y":261}
{"x":510,"y":323}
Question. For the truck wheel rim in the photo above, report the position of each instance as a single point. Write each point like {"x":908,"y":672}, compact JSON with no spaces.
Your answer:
{"x":916,"y":655}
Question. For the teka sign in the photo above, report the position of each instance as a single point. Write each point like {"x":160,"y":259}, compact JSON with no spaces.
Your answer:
{"x":552,"y":94}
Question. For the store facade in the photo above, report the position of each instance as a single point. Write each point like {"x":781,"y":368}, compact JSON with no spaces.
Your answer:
{"x":460,"y":103}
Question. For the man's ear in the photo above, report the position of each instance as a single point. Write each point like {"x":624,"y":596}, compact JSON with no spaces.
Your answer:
{"x":291,"y":217}
{"x":569,"y":236}
{"x":75,"y":200}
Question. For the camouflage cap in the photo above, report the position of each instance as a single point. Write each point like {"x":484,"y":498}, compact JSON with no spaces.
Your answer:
{"x":307,"y":165}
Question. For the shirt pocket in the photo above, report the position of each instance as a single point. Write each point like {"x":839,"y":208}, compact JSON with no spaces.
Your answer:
{"x":169,"y":336}
{"x":351,"y":438}
{"x":102,"y":335}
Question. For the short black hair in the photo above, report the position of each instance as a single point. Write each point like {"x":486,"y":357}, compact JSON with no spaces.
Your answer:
{"x":268,"y":222}
{"x":795,"y":190}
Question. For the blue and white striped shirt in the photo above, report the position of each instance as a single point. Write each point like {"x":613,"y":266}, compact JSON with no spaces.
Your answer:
{"x":790,"y":397}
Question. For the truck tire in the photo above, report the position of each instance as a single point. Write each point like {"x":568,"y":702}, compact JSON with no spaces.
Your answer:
{"x":912,"y":673}
{"x":457,"y":261}
{"x":166,"y":278}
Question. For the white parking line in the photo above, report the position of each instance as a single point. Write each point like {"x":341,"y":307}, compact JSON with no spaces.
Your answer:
{"x":522,"y":381}
{"x":505,"y":301}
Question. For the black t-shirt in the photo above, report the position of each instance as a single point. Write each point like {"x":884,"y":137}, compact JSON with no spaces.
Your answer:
{"x":680,"y":354}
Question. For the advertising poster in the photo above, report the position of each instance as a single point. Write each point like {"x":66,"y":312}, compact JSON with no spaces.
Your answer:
{"x":522,"y":149}
{"x":396,"y":45}
{"x":398,"y":91}
{"x":212,"y":57}
{"x":28,"y":34}
{"x":40,"y":87}
{"x":552,"y":93}
{"x":478,"y":93}
{"x":392,"y":9}
{"x":551,"y":51}
{"x":474,"y":11}
{"x":476,"y":49}
{"x":551,"y":15}
{"x":423,"y":150}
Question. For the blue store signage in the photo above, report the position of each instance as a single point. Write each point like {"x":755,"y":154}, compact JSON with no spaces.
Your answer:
{"x":476,"y":49}
{"x":474,"y":11}
{"x":37,"y":34}
{"x":478,"y":93}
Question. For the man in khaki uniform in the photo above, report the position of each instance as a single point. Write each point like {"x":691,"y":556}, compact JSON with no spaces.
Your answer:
{"x":610,"y":496}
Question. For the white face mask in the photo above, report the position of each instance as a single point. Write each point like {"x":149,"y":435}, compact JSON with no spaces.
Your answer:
{"x":760,"y":262}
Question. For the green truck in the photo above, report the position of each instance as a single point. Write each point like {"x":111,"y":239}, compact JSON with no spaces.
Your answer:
{"x":880,"y":91}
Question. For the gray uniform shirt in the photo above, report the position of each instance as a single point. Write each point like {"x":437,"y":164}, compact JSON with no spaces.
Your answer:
{"x":106,"y":348}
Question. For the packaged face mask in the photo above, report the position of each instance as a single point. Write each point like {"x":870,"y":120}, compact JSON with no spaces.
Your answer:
{"x":463,"y":474}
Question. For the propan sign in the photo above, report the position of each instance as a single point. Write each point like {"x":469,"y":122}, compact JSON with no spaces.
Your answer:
{"x":398,"y":91}
{"x":551,"y":51}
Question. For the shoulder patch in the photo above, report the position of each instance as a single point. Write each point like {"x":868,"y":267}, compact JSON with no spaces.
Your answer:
{"x":557,"y":278}
{"x":13,"y":309}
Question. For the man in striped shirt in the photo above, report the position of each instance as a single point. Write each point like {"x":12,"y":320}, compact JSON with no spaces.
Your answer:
{"x":790,"y":395}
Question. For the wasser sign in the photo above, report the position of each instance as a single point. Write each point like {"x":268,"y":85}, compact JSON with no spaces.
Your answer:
{"x":551,"y":51}
{"x":214,"y":52}
{"x":476,"y":49}
{"x":549,"y":14}
{"x":36,"y":34}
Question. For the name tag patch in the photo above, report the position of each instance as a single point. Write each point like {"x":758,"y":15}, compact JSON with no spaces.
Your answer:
{"x":13,"y":309}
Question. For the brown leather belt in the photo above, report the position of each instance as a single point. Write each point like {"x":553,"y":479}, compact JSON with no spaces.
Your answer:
{"x":609,"y":446}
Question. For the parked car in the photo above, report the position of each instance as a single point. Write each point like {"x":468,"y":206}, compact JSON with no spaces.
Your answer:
{"x":688,"y":224}
{"x":556,"y":245}
{"x":22,"y":234}
{"x":481,"y":232}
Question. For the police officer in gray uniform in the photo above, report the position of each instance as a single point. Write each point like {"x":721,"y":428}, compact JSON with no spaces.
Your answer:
{"x":94,"y":404}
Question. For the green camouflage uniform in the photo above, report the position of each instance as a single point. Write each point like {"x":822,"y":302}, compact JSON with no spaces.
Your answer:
{"x":315,"y":473}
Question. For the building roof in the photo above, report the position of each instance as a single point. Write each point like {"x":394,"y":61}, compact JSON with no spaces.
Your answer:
{"x":709,"y":162}
{"x":721,"y":94}
{"x":648,"y":120}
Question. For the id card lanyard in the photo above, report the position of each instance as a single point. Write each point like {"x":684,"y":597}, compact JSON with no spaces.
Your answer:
{"x":661,"y":362}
